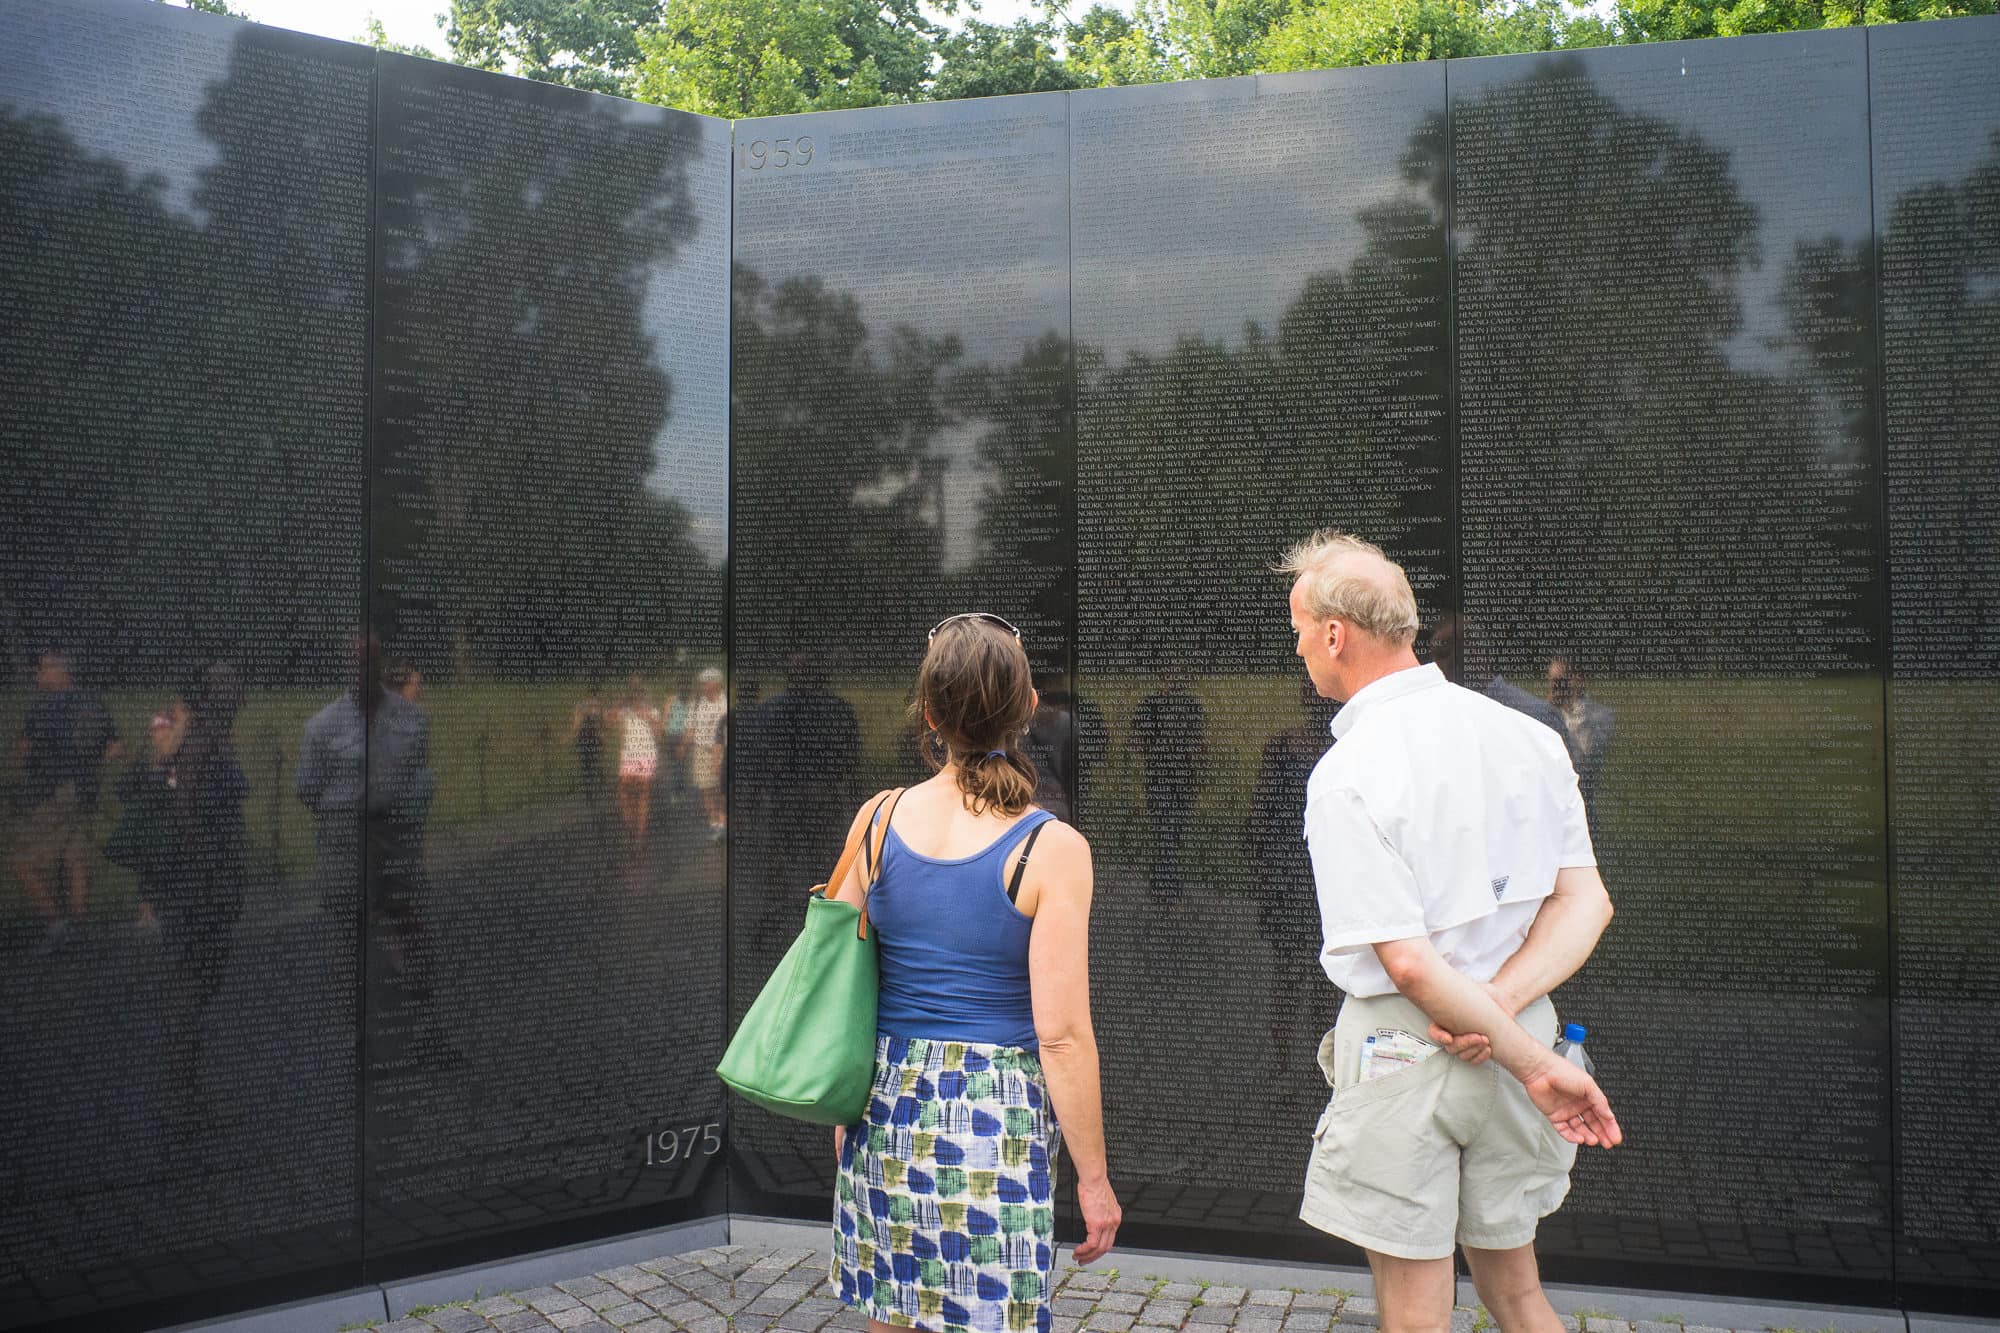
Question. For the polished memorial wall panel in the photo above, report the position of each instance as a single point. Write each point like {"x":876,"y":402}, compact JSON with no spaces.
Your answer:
{"x":1668,"y":483}
{"x":1259,"y":298}
{"x":545,"y":875}
{"x":368,"y":518}
{"x":1936,"y":124}
{"x":900,"y":452}
{"x":183,"y":391}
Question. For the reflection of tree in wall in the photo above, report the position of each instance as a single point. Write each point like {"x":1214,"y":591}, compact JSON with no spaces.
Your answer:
{"x":1649,"y":477}
{"x":515,"y":530}
{"x":1944,"y":346}
{"x":1026,"y":524}
{"x":1330,"y":418}
{"x":158,"y":378}
{"x":835,"y":459}
{"x":1940,"y":252}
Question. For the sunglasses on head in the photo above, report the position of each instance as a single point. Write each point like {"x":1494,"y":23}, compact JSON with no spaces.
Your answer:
{"x":986,"y":616}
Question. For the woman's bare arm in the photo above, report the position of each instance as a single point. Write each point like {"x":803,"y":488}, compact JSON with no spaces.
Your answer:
{"x":1059,"y":972}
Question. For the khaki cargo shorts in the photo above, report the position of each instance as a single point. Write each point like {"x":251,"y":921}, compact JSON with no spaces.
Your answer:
{"x":1441,"y":1153}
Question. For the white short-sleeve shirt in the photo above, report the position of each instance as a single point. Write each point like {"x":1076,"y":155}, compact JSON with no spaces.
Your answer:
{"x":1439,"y":812}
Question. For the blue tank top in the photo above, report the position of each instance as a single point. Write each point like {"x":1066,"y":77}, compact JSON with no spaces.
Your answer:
{"x":954,"y":950}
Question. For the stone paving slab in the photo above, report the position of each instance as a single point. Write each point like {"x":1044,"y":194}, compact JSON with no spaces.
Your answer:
{"x":745,"y":1289}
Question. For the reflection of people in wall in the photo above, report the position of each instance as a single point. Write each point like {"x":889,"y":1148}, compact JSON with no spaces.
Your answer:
{"x":1447,"y":650}
{"x":144,"y":838}
{"x":1588,"y":722}
{"x":66,"y":739}
{"x":797,"y":752}
{"x":703,"y":742}
{"x":1281,"y":872}
{"x":206,"y":858}
{"x":586,"y":739}
{"x":1051,"y":745}
{"x":674,"y":737}
{"x":400,"y":787}
{"x":1456,"y":888}
{"x":1170,"y":728}
{"x":330,"y":775}
{"x":401,"y":677}
{"x":639,"y":730}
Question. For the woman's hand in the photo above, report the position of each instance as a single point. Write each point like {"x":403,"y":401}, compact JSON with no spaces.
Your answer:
{"x":1101,"y":1216}
{"x":839,"y":1144}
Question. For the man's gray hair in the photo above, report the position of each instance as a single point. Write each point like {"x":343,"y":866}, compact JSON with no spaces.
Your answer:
{"x":1370,"y":593}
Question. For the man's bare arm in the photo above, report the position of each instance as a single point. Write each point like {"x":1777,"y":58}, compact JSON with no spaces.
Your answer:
{"x":1564,"y":934}
{"x":1569,"y":1097}
{"x":1566,"y":931}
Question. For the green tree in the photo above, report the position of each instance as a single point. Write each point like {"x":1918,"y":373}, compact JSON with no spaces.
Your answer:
{"x":591,"y":44}
{"x":1212,"y":39}
{"x":1108,"y":48}
{"x":986,"y":60}
{"x":1375,"y":32}
{"x":1172,"y":39}
{"x":774,"y":57}
{"x":375,"y":35}
{"x":211,"y":7}
{"x":1673,"y":20}
{"x":1323,"y":34}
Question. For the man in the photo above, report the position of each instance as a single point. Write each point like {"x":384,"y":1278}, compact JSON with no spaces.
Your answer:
{"x":366,"y":757}
{"x":1589,"y":723}
{"x":66,"y":739}
{"x":1445,"y":651}
{"x":1456,"y":888}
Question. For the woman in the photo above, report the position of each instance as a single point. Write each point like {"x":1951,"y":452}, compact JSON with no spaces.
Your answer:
{"x":944,"y":1215}
{"x":638,"y":757}
{"x":704,"y":739}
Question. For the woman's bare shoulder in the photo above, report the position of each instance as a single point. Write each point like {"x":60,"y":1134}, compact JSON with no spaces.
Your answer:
{"x":1063,"y":842}
{"x":879,"y":801}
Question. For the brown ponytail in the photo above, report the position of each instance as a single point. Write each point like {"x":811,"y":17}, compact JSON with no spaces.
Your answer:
{"x":976,"y":686}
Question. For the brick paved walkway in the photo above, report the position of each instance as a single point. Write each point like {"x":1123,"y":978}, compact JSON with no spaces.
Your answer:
{"x":744,"y":1289}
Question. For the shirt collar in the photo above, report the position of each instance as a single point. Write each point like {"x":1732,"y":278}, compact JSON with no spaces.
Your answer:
{"x":1392,"y":686}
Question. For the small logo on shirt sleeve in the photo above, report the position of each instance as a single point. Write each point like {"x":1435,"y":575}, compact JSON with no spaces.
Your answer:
{"x":1500,"y":887}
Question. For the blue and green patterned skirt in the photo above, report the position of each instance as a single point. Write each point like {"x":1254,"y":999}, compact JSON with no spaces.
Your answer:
{"x":944,"y":1210}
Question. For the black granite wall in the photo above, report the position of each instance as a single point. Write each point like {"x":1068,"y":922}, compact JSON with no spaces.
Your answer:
{"x":365,"y":435}
{"x":390,"y":447}
{"x":1665,"y":371}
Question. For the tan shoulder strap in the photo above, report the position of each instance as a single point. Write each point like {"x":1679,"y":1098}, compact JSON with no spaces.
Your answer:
{"x":874,"y":861}
{"x":848,"y":853}
{"x":858,"y":843}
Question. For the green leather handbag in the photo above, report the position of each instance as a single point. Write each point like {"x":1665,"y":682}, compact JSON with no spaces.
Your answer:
{"x":806,"y":1048}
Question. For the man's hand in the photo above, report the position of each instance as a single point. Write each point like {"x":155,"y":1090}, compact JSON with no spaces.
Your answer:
{"x":1475,"y":1048}
{"x":1574,"y":1104}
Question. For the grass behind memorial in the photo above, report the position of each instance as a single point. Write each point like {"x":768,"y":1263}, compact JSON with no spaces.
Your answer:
{"x":1751,"y":764}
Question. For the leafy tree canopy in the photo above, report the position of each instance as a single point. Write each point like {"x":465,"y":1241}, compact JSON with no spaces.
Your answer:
{"x":591,"y":44}
{"x":742,"y":58}
{"x":985,"y":60}
{"x":774,"y":57}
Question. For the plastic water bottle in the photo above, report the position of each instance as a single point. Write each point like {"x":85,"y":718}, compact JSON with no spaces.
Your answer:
{"x":1570,"y":1047}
